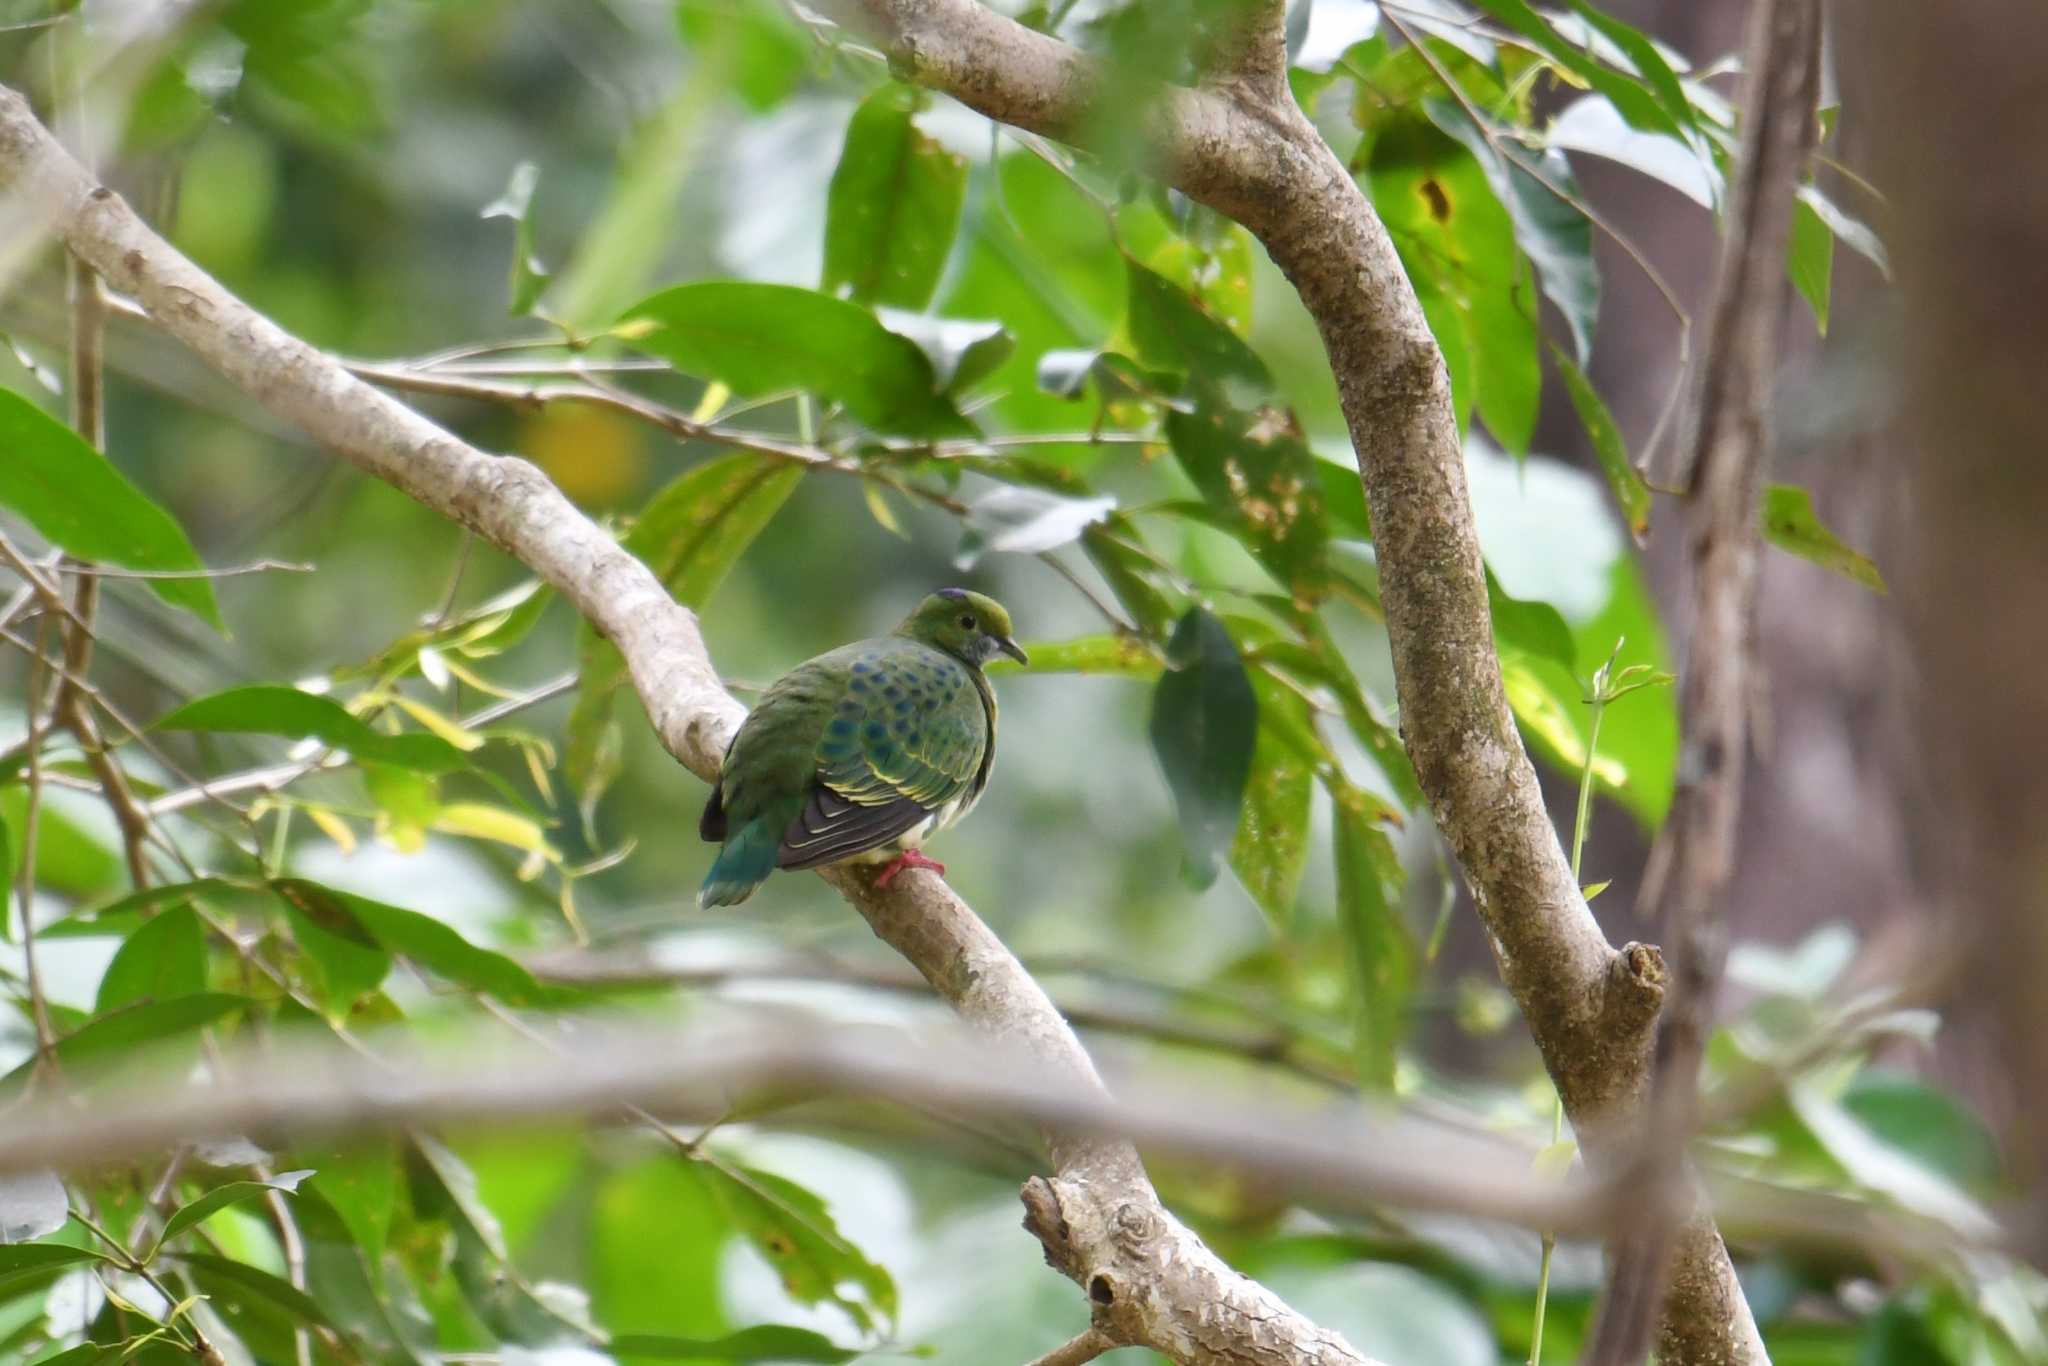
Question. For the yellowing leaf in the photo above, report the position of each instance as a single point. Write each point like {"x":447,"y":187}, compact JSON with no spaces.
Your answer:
{"x":332,"y":826}
{"x":1544,"y":715}
{"x":449,"y":730}
{"x":479,"y":821}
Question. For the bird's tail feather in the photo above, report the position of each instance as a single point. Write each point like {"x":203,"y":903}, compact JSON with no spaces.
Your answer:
{"x":742,"y":865}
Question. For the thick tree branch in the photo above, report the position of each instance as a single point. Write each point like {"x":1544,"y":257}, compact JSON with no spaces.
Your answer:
{"x":1590,"y":1007}
{"x":1172,"y":1293}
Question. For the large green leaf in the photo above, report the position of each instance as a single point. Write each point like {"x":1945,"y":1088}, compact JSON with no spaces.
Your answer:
{"x":765,"y":1342}
{"x":263,"y":1309}
{"x":164,"y":958}
{"x":1204,"y":729}
{"x":120,"y":1033}
{"x":220,"y":1197}
{"x":1458,"y":244}
{"x":1174,"y":332}
{"x":274,"y":709}
{"x":1270,"y":852}
{"x":22,"y":1262}
{"x":83,"y":505}
{"x":1256,"y":472}
{"x":893,"y":205}
{"x":690,"y":534}
{"x":763,"y":339}
{"x":426,"y":941}
{"x":658,"y":1202}
{"x":758,"y":49}
{"x":1638,"y":102}
{"x":1382,"y":951}
{"x":791,"y":1227}
{"x":1790,"y":523}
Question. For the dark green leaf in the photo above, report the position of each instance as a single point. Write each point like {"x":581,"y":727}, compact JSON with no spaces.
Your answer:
{"x":23,"y":1262}
{"x":1810,"y":260}
{"x":458,"y":1184}
{"x":166,"y":957}
{"x":762,"y":339}
{"x":529,"y":277}
{"x":274,"y":709}
{"x":80,"y":503}
{"x":1204,"y":729}
{"x":1174,"y":332}
{"x":426,"y":941}
{"x":1019,"y":520}
{"x":1255,"y":471}
{"x":1458,"y":244}
{"x":1628,"y":487}
{"x":1790,"y":524}
{"x":1124,"y":568}
{"x":241,"y":1286}
{"x":1382,"y":957}
{"x":350,"y":962}
{"x":768,"y":1342}
{"x":893,"y":205}
{"x":361,"y":1184}
{"x":1270,"y":852}
{"x":1647,"y":60}
{"x":220,"y":1197}
{"x":1636,"y":103}
{"x":793,"y":1230}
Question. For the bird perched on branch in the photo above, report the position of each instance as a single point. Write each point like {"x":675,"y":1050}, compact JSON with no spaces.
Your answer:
{"x":863,"y":752}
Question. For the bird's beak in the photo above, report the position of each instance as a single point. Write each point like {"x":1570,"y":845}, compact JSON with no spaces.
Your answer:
{"x":1012,"y":649}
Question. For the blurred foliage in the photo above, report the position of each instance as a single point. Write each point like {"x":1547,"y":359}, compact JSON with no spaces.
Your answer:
{"x":877,"y":345}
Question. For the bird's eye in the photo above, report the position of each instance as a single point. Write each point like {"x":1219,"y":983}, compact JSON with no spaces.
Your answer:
{"x":967,"y":620}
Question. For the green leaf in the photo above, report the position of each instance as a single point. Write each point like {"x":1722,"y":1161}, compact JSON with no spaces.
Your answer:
{"x":762,"y":339}
{"x":1647,"y":60}
{"x":1532,"y":627}
{"x":1108,"y":546}
{"x":1019,"y":520}
{"x":1104,"y":654}
{"x":426,"y":941}
{"x":166,"y":957}
{"x":1453,"y":234}
{"x":124,"y":1032}
{"x":1546,"y":705}
{"x":658,"y":1202}
{"x":1538,"y":190}
{"x":1810,"y":260}
{"x":690,"y":534}
{"x":1270,"y":852}
{"x":83,"y":505}
{"x":238,"y":1286}
{"x":361,"y":1183}
{"x":1628,"y":487}
{"x":1204,"y":729}
{"x":1636,"y":103}
{"x":22,"y":1262}
{"x":791,"y":1227}
{"x":351,"y":964}
{"x":458,"y":1183}
{"x":893,"y":205}
{"x":1174,"y":332}
{"x":1852,"y":232}
{"x":767,"y":1342}
{"x":963,"y":352}
{"x":1790,"y":524}
{"x":529,"y":276}
{"x":1256,"y":472}
{"x":220,"y":1197}
{"x":274,"y":709}
{"x":756,"y":47}
{"x":1382,"y":957}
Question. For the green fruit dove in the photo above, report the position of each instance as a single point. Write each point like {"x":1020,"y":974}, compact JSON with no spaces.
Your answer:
{"x":862,"y":753}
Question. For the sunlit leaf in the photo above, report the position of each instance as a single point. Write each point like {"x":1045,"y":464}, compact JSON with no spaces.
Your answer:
{"x":762,"y":339}
{"x":273,"y":709}
{"x":1545,"y":712}
{"x":1204,"y":729}
{"x":791,"y":1227}
{"x":893,"y":205}
{"x":1853,"y":233}
{"x":1791,"y":524}
{"x":1592,"y":125}
{"x":1636,"y":102}
{"x":166,"y":957}
{"x":83,"y":505}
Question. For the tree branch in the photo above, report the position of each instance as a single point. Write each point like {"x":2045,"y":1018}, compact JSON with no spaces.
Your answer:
{"x":1171,"y":1293}
{"x":1686,"y":886}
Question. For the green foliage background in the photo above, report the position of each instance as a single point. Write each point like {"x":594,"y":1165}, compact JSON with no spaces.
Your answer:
{"x":1040,"y":375}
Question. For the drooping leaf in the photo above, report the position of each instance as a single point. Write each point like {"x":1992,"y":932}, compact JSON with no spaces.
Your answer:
{"x":1256,"y":472}
{"x":792,"y":1228}
{"x":1382,"y":950}
{"x":164,"y":958}
{"x":1810,"y":260}
{"x":1634,"y":98}
{"x":1173,"y":332}
{"x":1791,"y":524}
{"x":893,"y":205}
{"x":220,"y":1197}
{"x":431,"y":943}
{"x":765,"y":1342}
{"x":81,"y":504}
{"x":761,"y":339}
{"x":1124,"y":569}
{"x":1453,"y":233}
{"x":361,"y":1183}
{"x":1649,"y":63}
{"x":529,"y":277}
{"x":1591,"y":124}
{"x":1270,"y":851}
{"x":1018,"y":520}
{"x":274,"y":709}
{"x":1629,"y":489}
{"x":1204,"y":729}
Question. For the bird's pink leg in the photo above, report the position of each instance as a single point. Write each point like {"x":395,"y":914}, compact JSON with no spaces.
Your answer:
{"x":909,"y":858}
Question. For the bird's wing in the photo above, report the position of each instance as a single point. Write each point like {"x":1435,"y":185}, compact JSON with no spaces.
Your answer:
{"x":905,"y":738}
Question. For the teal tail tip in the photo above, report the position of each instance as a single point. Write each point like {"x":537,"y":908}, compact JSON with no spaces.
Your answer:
{"x":718,"y":891}
{"x":741,"y":866}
